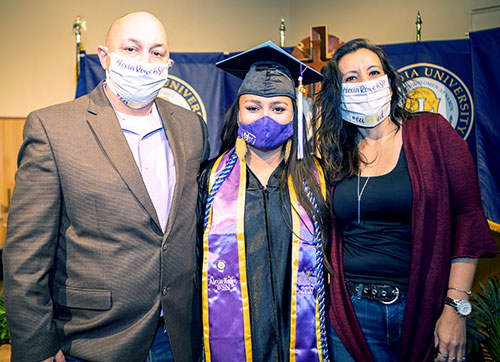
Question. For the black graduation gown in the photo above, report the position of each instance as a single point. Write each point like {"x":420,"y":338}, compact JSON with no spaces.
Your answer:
{"x":268,"y":236}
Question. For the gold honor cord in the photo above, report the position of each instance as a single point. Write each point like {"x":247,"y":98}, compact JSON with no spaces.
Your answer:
{"x":318,"y":330}
{"x":322,"y":181}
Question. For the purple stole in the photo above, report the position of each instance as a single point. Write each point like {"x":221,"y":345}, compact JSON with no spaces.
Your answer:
{"x":226,"y":317}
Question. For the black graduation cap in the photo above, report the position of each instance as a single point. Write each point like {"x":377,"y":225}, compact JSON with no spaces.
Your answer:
{"x":269,"y":71}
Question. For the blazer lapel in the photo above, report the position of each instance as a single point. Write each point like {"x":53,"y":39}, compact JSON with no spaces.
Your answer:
{"x":104,"y":123}
{"x":174,"y":131}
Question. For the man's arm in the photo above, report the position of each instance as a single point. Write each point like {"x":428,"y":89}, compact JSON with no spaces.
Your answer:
{"x":30,"y":248}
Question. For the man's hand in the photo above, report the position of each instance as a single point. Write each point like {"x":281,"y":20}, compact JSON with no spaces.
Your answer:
{"x":59,"y":357}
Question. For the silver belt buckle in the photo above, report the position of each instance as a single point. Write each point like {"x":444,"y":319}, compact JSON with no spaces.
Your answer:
{"x":395,"y":298}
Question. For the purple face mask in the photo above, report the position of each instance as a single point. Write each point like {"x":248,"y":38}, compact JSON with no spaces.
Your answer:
{"x":265,"y":133}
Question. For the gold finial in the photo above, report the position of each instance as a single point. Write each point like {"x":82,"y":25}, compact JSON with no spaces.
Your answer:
{"x":418,"y":23}
{"x":79,"y":25}
{"x":282,"y":33}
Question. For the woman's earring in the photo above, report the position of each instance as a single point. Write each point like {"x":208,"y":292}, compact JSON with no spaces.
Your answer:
{"x":241,"y":148}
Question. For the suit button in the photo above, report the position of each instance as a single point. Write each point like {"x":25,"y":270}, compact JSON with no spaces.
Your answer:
{"x":164,"y":290}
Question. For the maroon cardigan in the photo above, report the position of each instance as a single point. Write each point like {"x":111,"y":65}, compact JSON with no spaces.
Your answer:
{"x":447,"y":222}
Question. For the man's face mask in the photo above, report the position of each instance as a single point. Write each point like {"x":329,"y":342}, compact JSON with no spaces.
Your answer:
{"x":265,"y":133}
{"x":366,"y":104}
{"x":135,"y":83}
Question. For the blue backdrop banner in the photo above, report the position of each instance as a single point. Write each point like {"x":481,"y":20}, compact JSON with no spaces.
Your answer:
{"x":485,"y":58}
{"x":438,"y":75}
{"x":457,"y":78}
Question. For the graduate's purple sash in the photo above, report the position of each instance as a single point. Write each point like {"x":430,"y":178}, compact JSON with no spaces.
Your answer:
{"x":307,"y":327}
{"x":226,"y":317}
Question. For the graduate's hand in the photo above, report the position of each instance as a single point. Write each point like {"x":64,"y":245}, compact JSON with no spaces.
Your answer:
{"x":450,"y":336}
{"x":59,"y":357}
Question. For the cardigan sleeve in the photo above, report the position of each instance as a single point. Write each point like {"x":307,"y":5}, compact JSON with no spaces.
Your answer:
{"x":471,"y":234}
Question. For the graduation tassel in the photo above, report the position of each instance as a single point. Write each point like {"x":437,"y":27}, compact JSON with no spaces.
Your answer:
{"x":300,"y":116}
{"x":241,"y":148}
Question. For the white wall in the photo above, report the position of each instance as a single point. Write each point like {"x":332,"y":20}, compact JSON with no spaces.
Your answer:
{"x":37,"y":46}
{"x":386,"y":21}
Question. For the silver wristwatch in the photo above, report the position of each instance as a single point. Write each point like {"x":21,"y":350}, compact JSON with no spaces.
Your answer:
{"x":462,"y":307}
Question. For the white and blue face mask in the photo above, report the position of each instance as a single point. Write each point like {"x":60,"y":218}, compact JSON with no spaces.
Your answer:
{"x":135,"y":83}
{"x":366,"y":104}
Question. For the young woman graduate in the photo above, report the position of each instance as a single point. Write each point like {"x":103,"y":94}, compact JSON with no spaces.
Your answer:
{"x":264,"y":211}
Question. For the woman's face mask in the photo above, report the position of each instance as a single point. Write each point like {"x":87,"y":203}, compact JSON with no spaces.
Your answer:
{"x":366,"y":104}
{"x":265,"y":133}
{"x":265,"y":123}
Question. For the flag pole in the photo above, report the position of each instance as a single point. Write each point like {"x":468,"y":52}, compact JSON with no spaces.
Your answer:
{"x":282,"y":33}
{"x":79,"y":25}
{"x":418,"y":24}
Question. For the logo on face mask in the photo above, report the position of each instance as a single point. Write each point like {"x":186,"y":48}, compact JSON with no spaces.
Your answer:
{"x":436,"y":89}
{"x":181,"y":93}
{"x":248,"y":137}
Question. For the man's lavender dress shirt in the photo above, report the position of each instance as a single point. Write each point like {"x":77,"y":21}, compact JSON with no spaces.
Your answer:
{"x":149,"y":144}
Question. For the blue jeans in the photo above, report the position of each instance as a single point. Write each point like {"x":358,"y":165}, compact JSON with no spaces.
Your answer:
{"x":159,"y":352}
{"x":381,"y":325}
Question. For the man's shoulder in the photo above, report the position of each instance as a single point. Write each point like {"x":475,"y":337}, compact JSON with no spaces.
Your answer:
{"x":69,"y":108}
{"x":95,"y":100}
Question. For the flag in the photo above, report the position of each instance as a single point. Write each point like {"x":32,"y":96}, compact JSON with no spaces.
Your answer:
{"x":459,"y":79}
{"x":439,"y":79}
{"x":485,"y":57}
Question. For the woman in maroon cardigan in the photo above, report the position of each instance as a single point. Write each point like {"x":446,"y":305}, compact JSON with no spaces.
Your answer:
{"x":408,"y":225}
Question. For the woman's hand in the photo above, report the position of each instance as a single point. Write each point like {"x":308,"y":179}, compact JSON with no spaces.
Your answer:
{"x":450,"y":336}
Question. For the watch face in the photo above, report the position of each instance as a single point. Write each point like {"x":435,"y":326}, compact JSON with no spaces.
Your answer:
{"x":464,"y":307}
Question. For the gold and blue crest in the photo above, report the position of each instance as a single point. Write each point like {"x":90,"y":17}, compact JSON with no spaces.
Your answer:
{"x":433,"y":88}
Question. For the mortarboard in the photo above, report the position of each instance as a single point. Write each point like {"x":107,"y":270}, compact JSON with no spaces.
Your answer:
{"x":269,"y":71}
{"x":265,"y":69}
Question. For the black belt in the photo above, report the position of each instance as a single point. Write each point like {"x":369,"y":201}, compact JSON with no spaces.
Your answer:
{"x":386,"y":294}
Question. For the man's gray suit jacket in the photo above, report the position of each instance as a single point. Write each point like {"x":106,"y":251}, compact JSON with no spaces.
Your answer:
{"x":87,"y":266}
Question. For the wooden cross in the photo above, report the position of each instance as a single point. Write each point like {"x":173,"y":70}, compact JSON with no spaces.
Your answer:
{"x":316,"y":50}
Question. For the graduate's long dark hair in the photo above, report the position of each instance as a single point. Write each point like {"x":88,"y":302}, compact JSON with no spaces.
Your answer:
{"x":299,"y":170}
{"x":335,"y":139}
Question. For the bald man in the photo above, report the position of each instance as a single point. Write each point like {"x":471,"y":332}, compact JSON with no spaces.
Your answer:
{"x":100,"y":261}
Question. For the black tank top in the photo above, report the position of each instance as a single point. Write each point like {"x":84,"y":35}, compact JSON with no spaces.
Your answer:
{"x":376,"y":250}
